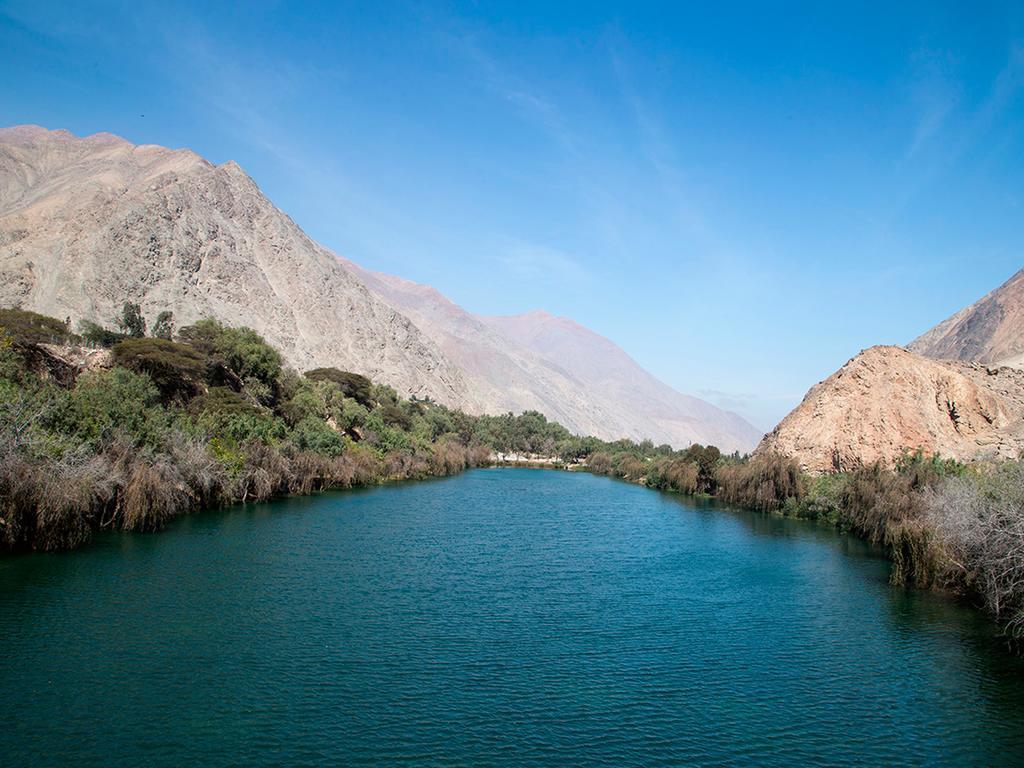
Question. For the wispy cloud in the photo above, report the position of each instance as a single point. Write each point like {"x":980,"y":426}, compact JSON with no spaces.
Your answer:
{"x":543,"y":263}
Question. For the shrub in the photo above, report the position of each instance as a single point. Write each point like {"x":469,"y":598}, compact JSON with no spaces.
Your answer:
{"x":176,"y":369}
{"x":131,"y":322}
{"x":979,"y":520}
{"x":163,"y":326}
{"x":241,"y":351}
{"x":313,"y":434}
{"x":97,"y":334}
{"x":107,"y":404}
{"x":26,"y":327}
{"x":352,"y":385}
{"x":764,"y":483}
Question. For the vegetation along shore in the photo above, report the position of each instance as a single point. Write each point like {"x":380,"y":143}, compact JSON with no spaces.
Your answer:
{"x":117,"y":429}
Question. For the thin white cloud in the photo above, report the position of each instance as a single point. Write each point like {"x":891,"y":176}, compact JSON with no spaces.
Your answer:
{"x":543,"y":263}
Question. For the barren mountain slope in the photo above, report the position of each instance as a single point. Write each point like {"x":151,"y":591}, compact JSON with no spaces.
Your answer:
{"x":561,"y":369}
{"x":605,"y":368}
{"x":990,"y":331}
{"x":887,"y":400}
{"x":86,"y":224}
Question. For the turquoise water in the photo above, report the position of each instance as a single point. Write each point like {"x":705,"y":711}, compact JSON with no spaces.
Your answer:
{"x":502,"y":617}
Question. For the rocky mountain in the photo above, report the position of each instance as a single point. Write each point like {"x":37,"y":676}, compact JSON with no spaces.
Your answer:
{"x":989,"y":331}
{"x":88,"y":223}
{"x":887,"y":400}
{"x":551,"y":364}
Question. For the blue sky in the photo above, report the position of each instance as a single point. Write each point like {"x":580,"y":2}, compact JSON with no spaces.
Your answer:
{"x":742,"y":197}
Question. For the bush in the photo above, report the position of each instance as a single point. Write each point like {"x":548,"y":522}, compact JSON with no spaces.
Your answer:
{"x":979,"y":521}
{"x":352,"y":385}
{"x":108,"y":404}
{"x":26,"y":327}
{"x":241,"y":351}
{"x":764,"y":483}
{"x":176,"y":369}
{"x":312,"y":434}
{"x":97,"y":334}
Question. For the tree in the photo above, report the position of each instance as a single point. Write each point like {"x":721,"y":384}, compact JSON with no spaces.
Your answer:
{"x":176,"y":369}
{"x":163,"y":326}
{"x":131,"y":321}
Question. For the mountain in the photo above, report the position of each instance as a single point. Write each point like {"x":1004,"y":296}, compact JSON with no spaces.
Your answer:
{"x":86,"y":224}
{"x":89,"y":223}
{"x":605,"y":368}
{"x":989,"y":331}
{"x":886,"y":401}
{"x":556,"y":366}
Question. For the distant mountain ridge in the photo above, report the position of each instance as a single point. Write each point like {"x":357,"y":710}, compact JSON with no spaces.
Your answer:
{"x":554,"y":365}
{"x":87,"y":223}
{"x":991,"y":330}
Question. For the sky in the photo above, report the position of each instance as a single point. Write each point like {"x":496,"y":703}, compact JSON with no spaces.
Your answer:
{"x":741,"y":196}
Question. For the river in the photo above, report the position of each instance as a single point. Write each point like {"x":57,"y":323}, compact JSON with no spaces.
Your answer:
{"x":501,"y":617}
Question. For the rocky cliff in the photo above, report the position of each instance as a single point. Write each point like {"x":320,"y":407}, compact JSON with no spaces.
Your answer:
{"x":886,"y":401}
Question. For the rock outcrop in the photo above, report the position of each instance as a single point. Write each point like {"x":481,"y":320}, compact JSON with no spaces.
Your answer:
{"x":887,"y":401}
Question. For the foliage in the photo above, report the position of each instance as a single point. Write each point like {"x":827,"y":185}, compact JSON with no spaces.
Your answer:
{"x":352,"y":385}
{"x":131,"y":322}
{"x":22,"y":326}
{"x":163,"y":326}
{"x":176,"y":369}
{"x":97,"y":334}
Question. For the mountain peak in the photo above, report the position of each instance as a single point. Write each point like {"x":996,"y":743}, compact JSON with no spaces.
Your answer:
{"x":991,"y":330}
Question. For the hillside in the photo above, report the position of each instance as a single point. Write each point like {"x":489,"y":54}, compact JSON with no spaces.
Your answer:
{"x":886,"y":401}
{"x":556,"y":366}
{"x":88,"y":223}
{"x":605,"y":368}
{"x":989,"y":331}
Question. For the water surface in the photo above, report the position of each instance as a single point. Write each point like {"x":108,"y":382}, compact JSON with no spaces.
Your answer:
{"x":502,"y":617}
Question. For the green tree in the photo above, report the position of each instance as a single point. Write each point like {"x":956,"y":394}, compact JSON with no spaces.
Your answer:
{"x":131,"y":321}
{"x":163,"y":326}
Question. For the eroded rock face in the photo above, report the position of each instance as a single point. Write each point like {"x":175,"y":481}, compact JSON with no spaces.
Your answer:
{"x":989,"y":331}
{"x":87,"y":224}
{"x":886,"y":401}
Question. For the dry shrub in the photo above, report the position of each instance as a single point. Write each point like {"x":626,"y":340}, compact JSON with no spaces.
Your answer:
{"x":447,"y":458}
{"x":764,"y":483}
{"x":154,"y":492}
{"x":979,"y":520}
{"x":199,"y":469}
{"x":680,"y":475}
{"x":264,"y":474}
{"x":631,"y":468}
{"x":366,"y":467}
{"x":311,"y":473}
{"x":600,"y":463}
{"x":478,"y":455}
{"x":52,"y":505}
